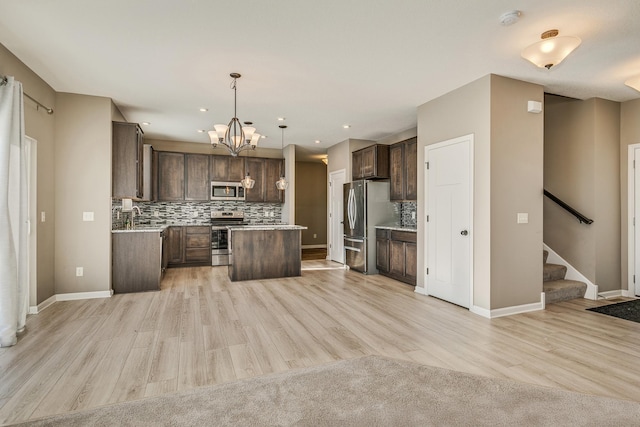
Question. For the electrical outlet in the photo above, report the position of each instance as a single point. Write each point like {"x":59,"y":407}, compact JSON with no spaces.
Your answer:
{"x":87,"y":216}
{"x":315,"y":236}
{"x":43,"y":216}
{"x":194,"y":214}
{"x":156,"y":214}
{"x":413,"y":215}
{"x":79,"y":271}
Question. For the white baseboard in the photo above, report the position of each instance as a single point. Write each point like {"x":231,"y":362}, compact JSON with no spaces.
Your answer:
{"x":509,"y":311}
{"x":44,"y":304}
{"x":421,"y":291}
{"x":499,"y":312}
{"x":69,"y":297}
{"x":314,"y":246}
{"x":612,"y":294}
{"x":572,"y":273}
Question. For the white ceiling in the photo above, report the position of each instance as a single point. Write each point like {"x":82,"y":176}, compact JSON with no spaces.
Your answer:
{"x":322,"y":64}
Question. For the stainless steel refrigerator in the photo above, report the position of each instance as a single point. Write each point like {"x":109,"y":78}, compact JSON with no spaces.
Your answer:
{"x":366,"y":204}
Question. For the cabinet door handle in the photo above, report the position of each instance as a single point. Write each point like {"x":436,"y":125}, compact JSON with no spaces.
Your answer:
{"x":464,"y":232}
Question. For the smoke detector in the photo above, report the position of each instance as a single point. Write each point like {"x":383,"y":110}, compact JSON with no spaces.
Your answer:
{"x":509,"y":18}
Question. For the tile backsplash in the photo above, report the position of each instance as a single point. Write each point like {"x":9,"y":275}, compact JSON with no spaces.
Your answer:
{"x":162,"y":213}
{"x":408,"y":214}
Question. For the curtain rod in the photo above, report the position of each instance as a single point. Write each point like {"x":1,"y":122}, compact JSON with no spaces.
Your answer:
{"x":3,"y":81}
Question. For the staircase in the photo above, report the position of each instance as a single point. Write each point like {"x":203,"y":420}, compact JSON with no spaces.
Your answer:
{"x":555,"y":287}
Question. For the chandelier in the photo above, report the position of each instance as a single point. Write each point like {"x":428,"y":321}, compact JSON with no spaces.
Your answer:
{"x":234,"y":136}
{"x":282,"y":183}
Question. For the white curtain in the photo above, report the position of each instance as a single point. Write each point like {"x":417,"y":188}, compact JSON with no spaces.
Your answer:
{"x":14,"y":286}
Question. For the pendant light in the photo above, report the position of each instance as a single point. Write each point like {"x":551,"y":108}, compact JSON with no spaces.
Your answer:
{"x":551,"y":50}
{"x":248,"y":182}
{"x":282,"y":184}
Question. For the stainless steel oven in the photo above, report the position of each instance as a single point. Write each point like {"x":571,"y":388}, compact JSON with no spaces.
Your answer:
{"x":220,"y":220}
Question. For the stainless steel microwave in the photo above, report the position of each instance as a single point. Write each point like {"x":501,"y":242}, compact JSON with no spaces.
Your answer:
{"x":226,"y":191}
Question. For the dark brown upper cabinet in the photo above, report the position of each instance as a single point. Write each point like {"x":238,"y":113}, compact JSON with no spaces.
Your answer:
{"x":127,"y":165}
{"x":403,"y":161}
{"x":265,"y":172}
{"x":183,"y":177}
{"x":370,"y":162}
{"x":226,"y":168}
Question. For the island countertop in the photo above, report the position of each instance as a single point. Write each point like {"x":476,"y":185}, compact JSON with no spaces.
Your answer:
{"x":396,"y":227}
{"x":266,"y":227}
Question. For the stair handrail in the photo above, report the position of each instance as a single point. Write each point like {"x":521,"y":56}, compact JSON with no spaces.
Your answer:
{"x":583,"y":219}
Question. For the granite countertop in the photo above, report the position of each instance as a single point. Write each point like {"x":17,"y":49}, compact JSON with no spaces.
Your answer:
{"x":397,"y":227}
{"x":156,"y":228}
{"x":266,"y":227}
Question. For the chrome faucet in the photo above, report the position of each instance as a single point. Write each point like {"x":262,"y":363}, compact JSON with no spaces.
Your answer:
{"x":133,"y":215}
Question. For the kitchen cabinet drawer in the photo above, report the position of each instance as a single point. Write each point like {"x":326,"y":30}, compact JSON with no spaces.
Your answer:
{"x":403,"y":236}
{"x":197,"y":255}
{"x":197,"y":240}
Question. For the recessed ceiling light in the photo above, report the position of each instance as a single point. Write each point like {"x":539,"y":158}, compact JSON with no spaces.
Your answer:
{"x":317,"y":141}
{"x":146,"y":123}
{"x":204,"y":110}
{"x":346,"y":126}
{"x":281,"y":119}
{"x":201,"y":131}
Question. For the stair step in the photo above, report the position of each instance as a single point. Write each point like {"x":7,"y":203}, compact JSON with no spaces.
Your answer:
{"x":563,"y":290}
{"x":553,"y":272}
{"x":545,"y":256}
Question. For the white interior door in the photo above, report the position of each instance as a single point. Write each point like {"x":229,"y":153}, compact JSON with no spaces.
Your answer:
{"x":336,"y":242}
{"x":634,"y":213}
{"x":448,"y":181}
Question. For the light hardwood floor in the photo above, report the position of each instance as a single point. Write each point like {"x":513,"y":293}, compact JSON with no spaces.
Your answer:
{"x":201,"y":329}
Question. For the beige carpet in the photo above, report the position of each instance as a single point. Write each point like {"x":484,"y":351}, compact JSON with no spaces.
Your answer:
{"x":369,"y":391}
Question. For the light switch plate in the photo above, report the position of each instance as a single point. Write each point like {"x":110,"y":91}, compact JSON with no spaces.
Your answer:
{"x":523,"y":218}
{"x":87,"y":216}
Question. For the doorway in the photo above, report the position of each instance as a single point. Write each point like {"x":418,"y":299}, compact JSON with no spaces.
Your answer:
{"x":336,"y":231}
{"x":633,"y":232}
{"x":449,"y":219}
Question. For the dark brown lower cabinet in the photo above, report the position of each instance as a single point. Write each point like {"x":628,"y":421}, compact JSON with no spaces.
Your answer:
{"x":396,"y":255}
{"x":136,"y":261}
{"x":189,"y":246}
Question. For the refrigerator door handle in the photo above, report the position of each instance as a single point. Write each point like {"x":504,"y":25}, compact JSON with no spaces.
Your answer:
{"x":351,"y":248}
{"x":347,"y":239}
{"x":352,"y":208}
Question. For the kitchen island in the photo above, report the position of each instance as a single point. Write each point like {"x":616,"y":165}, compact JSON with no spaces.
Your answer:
{"x":265,"y":251}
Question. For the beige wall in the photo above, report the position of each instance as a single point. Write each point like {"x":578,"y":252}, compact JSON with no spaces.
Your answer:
{"x":83,"y":184}
{"x":311,"y":201}
{"x":40,"y":126}
{"x":516,"y":187}
{"x":461,"y":112}
{"x":629,"y":134}
{"x":507,"y":270}
{"x":582,"y":168}
{"x":398,"y":137}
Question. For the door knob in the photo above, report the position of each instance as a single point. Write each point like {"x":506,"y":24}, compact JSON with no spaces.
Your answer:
{"x":464,"y":232}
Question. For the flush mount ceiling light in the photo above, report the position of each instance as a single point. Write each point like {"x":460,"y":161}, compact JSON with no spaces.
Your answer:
{"x":282,"y":183}
{"x":234,"y":136}
{"x":551,"y":50}
{"x":634,"y":82}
